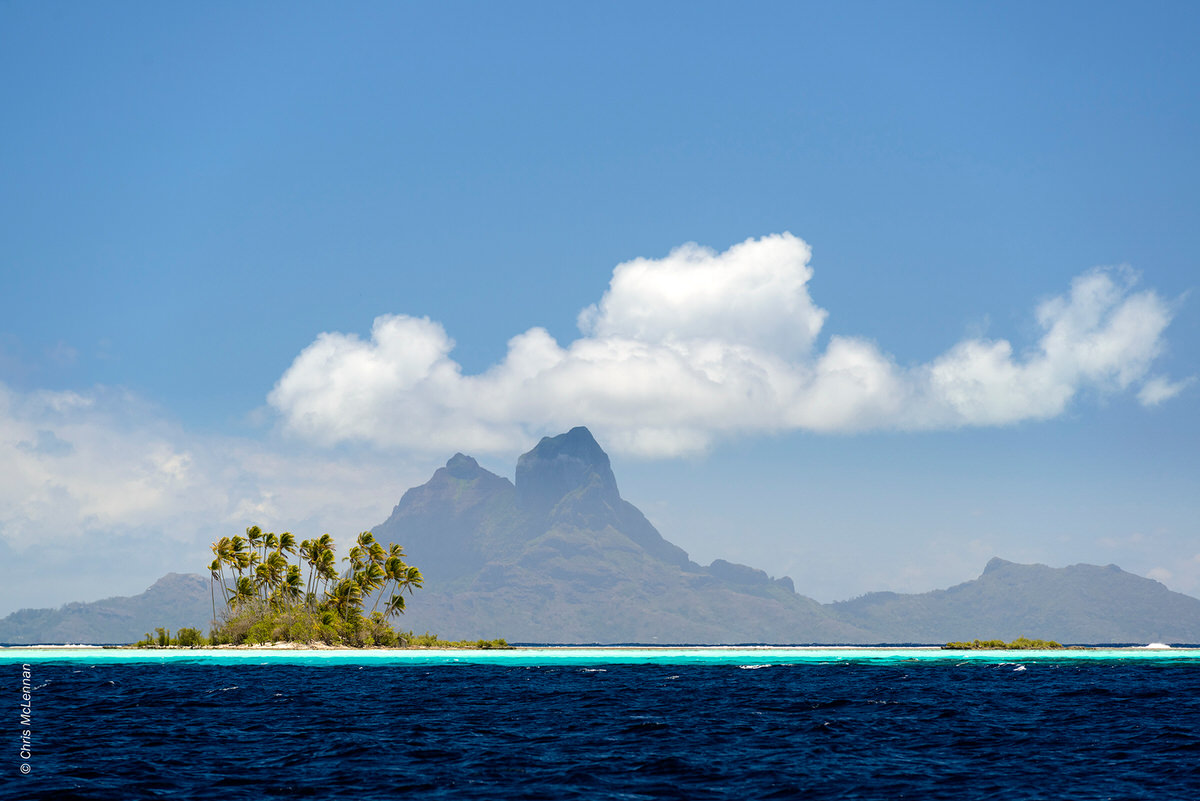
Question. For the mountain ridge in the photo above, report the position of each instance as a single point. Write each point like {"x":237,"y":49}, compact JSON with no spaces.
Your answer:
{"x":75,"y":621}
{"x":558,"y":556}
{"x":1079,"y":603}
{"x":175,"y":600}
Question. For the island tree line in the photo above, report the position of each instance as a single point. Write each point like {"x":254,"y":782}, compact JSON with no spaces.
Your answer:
{"x":268,"y":598}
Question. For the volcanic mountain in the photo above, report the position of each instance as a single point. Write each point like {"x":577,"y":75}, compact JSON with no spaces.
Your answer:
{"x":559,"y":556}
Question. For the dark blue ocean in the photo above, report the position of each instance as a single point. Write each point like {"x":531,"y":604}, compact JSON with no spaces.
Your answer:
{"x":920,"y":730}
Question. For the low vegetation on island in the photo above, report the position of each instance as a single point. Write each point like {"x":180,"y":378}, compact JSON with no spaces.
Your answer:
{"x":1019,"y":644}
{"x":266,"y":598}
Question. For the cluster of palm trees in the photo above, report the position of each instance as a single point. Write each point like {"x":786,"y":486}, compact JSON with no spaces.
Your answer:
{"x":255,"y":575}
{"x":260,"y":574}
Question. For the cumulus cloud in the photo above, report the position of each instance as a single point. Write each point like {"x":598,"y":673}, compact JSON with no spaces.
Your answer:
{"x":700,"y":345}
{"x":1101,"y":335}
{"x":89,"y":480}
{"x":754,"y":294}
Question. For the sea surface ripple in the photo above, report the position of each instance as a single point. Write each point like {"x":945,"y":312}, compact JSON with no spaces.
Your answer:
{"x":921,"y":730}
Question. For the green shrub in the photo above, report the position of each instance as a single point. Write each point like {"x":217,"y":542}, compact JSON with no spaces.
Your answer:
{"x":302,"y":630}
{"x":261,"y":633}
{"x":427,"y":640}
{"x":189,"y":638}
{"x":1019,"y":644}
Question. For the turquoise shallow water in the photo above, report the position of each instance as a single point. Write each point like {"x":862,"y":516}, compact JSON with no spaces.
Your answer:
{"x":549,"y":656}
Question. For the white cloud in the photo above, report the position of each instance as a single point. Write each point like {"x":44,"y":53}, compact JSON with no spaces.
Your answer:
{"x":753,"y":294}
{"x":1160,"y":574}
{"x":700,"y":345}
{"x":1183,"y":575}
{"x":92,"y":480}
{"x":1159,"y":389}
{"x":1101,"y":335}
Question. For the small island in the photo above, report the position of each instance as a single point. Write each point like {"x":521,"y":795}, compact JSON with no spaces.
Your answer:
{"x":1019,"y":644}
{"x":267,"y":599}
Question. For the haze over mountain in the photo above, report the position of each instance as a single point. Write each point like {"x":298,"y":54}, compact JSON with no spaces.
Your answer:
{"x":174,"y":601}
{"x":559,"y":557}
{"x":1078,"y":604}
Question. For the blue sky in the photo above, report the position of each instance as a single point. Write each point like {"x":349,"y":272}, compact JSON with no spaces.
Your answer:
{"x":276,"y":264}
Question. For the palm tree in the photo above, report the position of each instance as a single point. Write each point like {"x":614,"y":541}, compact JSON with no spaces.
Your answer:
{"x":262,"y":581}
{"x":370,"y":578}
{"x":214,"y":573}
{"x":239,"y":557}
{"x":292,"y":589}
{"x":327,"y":568}
{"x":317,"y":553}
{"x":401,"y":577}
{"x":309,"y":552}
{"x":277,"y":566}
{"x":371,"y":550}
{"x":346,"y":597}
{"x":244,"y":593}
{"x":395,"y":606}
{"x":326,"y":561}
{"x":222,"y":549}
{"x":254,"y":536}
{"x":355,"y":558}
{"x":269,"y":573}
{"x":409,"y":580}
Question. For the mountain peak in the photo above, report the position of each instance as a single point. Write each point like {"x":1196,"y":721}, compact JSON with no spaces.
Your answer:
{"x":995,"y":563}
{"x":462,"y":466}
{"x":577,"y":443}
{"x":558,"y":466}
{"x":176,"y":582}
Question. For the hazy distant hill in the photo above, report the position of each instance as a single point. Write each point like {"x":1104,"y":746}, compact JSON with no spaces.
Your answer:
{"x":560,"y":557}
{"x":1080,"y":604}
{"x":174,"y":601}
